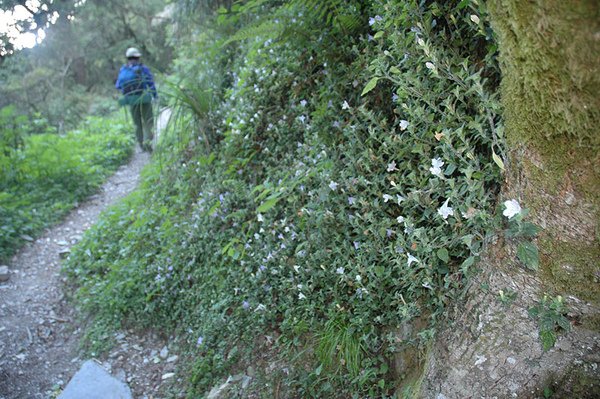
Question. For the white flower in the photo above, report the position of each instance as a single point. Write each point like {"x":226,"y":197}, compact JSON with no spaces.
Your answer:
{"x":436,"y":165}
{"x":411,"y":259}
{"x":260,"y":308}
{"x":421,"y":42}
{"x":445,"y":210}
{"x":333,"y":185}
{"x":400,"y":219}
{"x":403,"y":124}
{"x":400,"y":199}
{"x":358,"y":278}
{"x":372,"y":20}
{"x":429,"y":65}
{"x":387,"y":197}
{"x":345,"y":105}
{"x":260,"y":218}
{"x":474,"y":18}
{"x":512,"y":208}
{"x":301,"y":296}
{"x":392,"y":166}
{"x":339,"y":270}
{"x":303,"y":103}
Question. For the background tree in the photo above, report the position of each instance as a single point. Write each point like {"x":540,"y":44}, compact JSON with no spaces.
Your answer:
{"x":74,"y":68}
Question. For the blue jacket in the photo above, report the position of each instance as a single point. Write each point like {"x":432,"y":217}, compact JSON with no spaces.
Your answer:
{"x":135,"y":79}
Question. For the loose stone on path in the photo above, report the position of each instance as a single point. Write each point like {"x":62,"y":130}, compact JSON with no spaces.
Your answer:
{"x":94,"y":382}
{"x":4,"y":273}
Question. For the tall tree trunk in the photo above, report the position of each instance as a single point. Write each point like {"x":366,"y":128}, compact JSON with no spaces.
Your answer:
{"x":550,"y":60}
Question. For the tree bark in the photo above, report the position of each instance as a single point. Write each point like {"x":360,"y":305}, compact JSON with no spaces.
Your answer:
{"x":550,"y":60}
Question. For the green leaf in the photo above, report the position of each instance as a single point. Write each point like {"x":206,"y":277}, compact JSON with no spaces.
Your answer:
{"x":378,"y":34}
{"x":548,"y":339}
{"x":563,"y":323}
{"x":268,"y":204}
{"x":213,"y":208}
{"x":379,"y":270}
{"x":529,"y":229}
{"x":468,"y":262}
{"x":442,"y":253}
{"x":395,"y":70}
{"x":319,"y":369}
{"x":528,"y":253}
{"x":498,"y":160}
{"x":463,"y":4}
{"x":370,"y":86}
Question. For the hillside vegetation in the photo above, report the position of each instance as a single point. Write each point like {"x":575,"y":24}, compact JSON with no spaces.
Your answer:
{"x":321,"y":197}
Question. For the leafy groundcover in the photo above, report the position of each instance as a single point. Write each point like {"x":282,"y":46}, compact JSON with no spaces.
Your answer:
{"x":42,"y":176}
{"x":334,"y":186}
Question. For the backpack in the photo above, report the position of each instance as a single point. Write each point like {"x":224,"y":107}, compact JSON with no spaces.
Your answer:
{"x":131,"y":79}
{"x":133,"y":84}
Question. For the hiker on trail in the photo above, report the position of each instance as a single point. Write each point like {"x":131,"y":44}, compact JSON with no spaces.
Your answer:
{"x":137,"y":85}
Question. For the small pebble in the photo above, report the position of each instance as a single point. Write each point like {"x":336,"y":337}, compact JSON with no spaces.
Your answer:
{"x":168,"y":375}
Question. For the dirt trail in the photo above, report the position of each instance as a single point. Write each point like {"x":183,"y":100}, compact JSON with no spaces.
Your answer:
{"x":38,"y":333}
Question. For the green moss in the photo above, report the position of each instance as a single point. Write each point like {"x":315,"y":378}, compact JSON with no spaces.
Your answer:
{"x":591,"y":322}
{"x":550,"y":61}
{"x":562,"y":168}
{"x":581,"y":382}
{"x":572,"y":268}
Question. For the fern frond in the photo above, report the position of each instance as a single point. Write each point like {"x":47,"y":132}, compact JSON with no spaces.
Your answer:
{"x":268,"y":29}
{"x":341,"y":14}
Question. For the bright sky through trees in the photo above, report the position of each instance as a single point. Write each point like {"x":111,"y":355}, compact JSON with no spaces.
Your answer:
{"x":9,"y":25}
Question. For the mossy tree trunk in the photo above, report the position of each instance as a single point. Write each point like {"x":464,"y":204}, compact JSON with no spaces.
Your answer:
{"x":550,"y":60}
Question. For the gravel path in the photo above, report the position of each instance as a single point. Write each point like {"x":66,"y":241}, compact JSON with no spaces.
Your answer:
{"x":39,"y":336}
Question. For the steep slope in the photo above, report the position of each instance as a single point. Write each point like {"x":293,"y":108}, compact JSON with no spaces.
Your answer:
{"x":317,"y":209}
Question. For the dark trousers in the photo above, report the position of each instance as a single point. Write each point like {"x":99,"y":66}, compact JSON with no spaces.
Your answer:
{"x":144,"y":124}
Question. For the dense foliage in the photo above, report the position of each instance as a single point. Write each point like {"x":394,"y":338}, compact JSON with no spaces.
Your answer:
{"x":43,"y":175}
{"x":335,"y":185}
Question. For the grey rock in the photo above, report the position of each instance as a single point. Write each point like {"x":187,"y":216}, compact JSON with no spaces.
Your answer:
{"x":121,"y":375}
{"x":570,"y":198}
{"x":164,"y":352}
{"x":64,"y":253}
{"x":221,"y":391}
{"x":93,"y":382}
{"x":167,"y":376}
{"x":4,"y":273}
